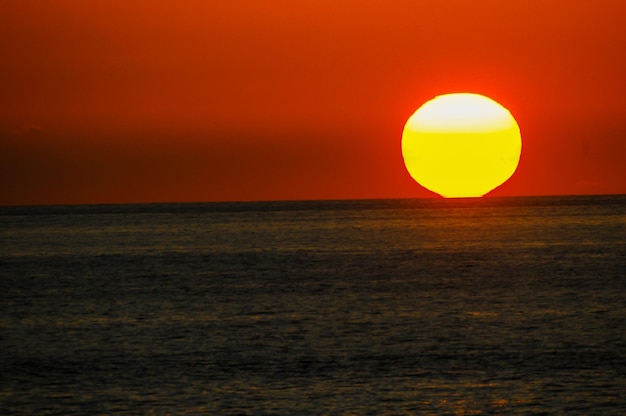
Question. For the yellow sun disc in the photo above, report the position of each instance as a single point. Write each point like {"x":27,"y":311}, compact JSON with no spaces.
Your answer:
{"x":461,"y":145}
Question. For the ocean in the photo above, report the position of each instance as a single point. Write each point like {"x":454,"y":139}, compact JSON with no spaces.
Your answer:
{"x":368,"y":307}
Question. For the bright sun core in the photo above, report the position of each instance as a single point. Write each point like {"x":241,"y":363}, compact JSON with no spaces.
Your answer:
{"x":461,"y":145}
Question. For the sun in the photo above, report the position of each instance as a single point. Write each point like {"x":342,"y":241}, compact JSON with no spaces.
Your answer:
{"x":461,"y":145}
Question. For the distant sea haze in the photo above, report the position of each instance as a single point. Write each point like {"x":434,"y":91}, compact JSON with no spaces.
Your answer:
{"x":479,"y":306}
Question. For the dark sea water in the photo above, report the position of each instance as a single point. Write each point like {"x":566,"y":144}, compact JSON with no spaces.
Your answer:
{"x":487,"y":306}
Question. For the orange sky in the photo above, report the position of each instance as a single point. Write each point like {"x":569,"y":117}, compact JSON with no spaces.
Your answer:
{"x":152,"y":101}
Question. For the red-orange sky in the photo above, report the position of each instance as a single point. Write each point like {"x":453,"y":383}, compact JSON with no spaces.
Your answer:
{"x":107,"y":101}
